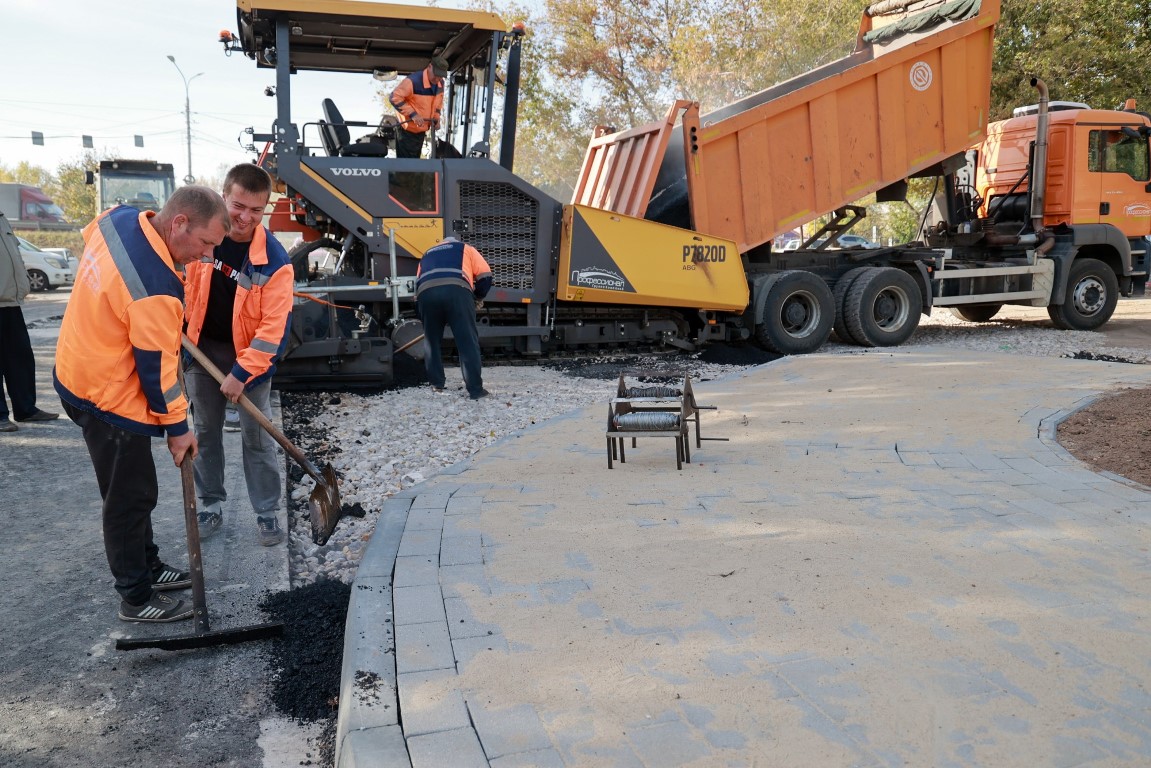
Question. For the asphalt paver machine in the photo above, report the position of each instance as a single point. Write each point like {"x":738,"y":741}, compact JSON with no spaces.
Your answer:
{"x":372,"y":214}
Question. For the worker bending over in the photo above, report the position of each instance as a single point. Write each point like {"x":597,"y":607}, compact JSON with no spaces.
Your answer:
{"x":418,"y":100}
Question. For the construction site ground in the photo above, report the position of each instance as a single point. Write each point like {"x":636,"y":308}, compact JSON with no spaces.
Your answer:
{"x":891,"y":561}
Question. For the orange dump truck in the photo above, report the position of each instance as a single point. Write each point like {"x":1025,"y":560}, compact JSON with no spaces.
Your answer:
{"x":912,"y":100}
{"x":669,"y":237}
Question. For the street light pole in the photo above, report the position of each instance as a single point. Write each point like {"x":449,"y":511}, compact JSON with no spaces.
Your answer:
{"x":187,"y":114}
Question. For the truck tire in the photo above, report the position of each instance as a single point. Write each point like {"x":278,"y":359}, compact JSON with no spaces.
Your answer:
{"x":976,"y":313}
{"x":842,"y":286}
{"x":1092,"y":293}
{"x":38,"y":280}
{"x":882,"y":307}
{"x":798,"y":312}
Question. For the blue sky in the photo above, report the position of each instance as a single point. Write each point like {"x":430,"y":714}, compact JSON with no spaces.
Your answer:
{"x":100,"y":68}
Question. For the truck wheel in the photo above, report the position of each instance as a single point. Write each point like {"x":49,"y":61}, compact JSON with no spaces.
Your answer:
{"x":1092,"y":293}
{"x":842,"y":286}
{"x":299,"y":255}
{"x":798,"y":312}
{"x":38,"y":280}
{"x":980,"y":313}
{"x":882,"y":307}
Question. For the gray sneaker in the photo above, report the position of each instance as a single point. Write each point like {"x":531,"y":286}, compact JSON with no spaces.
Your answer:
{"x":271,"y":533}
{"x":209,"y":522}
{"x":160,"y":608}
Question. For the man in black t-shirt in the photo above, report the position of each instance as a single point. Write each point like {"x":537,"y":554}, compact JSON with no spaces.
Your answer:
{"x":238,"y":313}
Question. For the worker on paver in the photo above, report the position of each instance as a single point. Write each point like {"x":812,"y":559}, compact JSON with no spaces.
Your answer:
{"x":451,"y":278}
{"x":117,"y":374}
{"x":238,"y":313}
{"x":418,"y":100}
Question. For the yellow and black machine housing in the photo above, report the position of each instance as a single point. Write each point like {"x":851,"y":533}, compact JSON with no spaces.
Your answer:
{"x":564,"y":276}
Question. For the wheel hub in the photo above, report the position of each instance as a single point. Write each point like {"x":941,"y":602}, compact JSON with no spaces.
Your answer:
{"x":1090,"y":296}
{"x":800,"y":315}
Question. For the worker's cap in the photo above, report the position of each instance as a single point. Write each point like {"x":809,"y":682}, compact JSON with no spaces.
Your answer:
{"x":439,"y":66}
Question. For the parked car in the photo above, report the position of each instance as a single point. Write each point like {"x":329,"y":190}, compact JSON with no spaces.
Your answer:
{"x":853,"y":241}
{"x":46,"y":271}
{"x":66,"y":253}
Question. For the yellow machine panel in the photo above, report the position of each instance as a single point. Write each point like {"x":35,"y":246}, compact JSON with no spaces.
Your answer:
{"x":610,"y":258}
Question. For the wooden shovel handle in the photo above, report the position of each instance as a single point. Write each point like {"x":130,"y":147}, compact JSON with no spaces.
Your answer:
{"x":256,"y":414}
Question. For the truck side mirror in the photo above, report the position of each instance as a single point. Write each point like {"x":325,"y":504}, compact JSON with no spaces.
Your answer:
{"x":89,"y":177}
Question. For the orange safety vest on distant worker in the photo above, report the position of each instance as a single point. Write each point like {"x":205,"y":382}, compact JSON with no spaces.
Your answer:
{"x":417,"y":94}
{"x":118,"y":352}
{"x":261,"y":313}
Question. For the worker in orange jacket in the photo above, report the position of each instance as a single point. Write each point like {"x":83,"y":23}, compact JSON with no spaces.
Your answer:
{"x":239,"y":313}
{"x":117,"y":374}
{"x":451,"y":278}
{"x":418,"y":100}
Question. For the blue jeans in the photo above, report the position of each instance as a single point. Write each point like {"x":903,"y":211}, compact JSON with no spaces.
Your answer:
{"x":261,"y":464}
{"x":455,"y":307}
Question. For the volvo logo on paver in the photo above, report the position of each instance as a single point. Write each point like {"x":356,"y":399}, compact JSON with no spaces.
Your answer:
{"x":357,"y":171}
{"x":594,"y":277}
{"x":921,"y":76}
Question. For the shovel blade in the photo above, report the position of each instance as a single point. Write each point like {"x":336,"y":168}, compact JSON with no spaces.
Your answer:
{"x":324,"y":507}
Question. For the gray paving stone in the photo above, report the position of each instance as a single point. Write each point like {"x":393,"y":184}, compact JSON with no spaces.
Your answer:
{"x":461,"y":550}
{"x":464,"y":524}
{"x":462,"y":505}
{"x":434,"y":500}
{"x":461,"y":622}
{"x":467,"y":648}
{"x":419,"y":543}
{"x":416,"y":570}
{"x":458,"y":749}
{"x":425,"y":520}
{"x":423,"y":647}
{"x":374,"y":748}
{"x":508,"y":731}
{"x":432,"y":702}
{"x":418,"y":605}
{"x":463,"y":580}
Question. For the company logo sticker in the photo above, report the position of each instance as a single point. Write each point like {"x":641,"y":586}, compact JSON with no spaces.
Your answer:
{"x":1137,"y":209}
{"x":921,"y":76}
{"x":596,"y":277}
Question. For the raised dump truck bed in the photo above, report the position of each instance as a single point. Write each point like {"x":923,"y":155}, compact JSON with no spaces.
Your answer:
{"x":903,"y":102}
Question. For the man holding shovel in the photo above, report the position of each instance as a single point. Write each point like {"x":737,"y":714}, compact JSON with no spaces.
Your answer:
{"x":238,"y":313}
{"x":117,"y":366}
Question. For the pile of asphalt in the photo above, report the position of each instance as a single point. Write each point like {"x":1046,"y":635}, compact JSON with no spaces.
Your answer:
{"x":306,"y":660}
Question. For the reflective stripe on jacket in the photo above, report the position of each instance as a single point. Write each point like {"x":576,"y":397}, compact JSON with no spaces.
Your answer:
{"x":118,"y":352}
{"x":418,"y":95}
{"x":451,"y":262}
{"x":262,"y":312}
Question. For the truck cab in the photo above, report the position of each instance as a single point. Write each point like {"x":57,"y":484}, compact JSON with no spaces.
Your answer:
{"x":1098,"y":172}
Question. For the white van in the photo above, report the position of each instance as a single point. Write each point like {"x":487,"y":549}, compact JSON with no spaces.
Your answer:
{"x":46,"y":271}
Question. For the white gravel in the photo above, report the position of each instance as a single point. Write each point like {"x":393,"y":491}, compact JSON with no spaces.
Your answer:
{"x":395,"y":440}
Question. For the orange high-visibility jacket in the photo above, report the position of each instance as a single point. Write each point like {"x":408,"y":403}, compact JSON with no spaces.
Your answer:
{"x":418,"y":95}
{"x":119,"y":347}
{"x":262,"y":312}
